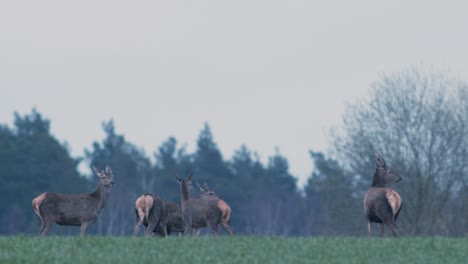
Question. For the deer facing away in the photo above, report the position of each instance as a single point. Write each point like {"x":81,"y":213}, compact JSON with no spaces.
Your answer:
{"x":76,"y":209}
{"x":151,"y":211}
{"x":381,"y":204}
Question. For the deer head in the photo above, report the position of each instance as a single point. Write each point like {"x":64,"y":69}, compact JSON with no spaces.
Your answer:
{"x":187,"y":183}
{"x":205,"y":191}
{"x":383,"y":175}
{"x":106,"y":176}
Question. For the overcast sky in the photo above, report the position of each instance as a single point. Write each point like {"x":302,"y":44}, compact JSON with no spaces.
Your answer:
{"x":262,"y":73}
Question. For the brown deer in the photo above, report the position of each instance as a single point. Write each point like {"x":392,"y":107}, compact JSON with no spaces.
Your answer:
{"x":76,"y":209}
{"x":208,"y":194}
{"x":176,"y":225}
{"x":382,"y":205}
{"x":151,"y":211}
{"x":197,"y":213}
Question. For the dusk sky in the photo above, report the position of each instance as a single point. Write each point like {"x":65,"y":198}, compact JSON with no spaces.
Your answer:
{"x":262,"y":73}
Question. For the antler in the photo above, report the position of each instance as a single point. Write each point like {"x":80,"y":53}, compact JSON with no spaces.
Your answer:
{"x":199,"y":186}
{"x":190,"y":176}
{"x":177,"y":177}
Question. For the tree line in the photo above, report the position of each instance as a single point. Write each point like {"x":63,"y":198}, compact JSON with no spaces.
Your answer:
{"x":415,"y":118}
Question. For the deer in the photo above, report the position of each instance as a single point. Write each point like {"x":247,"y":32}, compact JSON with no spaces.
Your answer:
{"x":382,"y":204}
{"x":197,"y":213}
{"x":74,"y":209}
{"x":151,"y":211}
{"x":176,"y":225}
{"x":208,"y":194}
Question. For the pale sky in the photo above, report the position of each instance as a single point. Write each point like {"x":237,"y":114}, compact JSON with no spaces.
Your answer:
{"x":262,"y":73}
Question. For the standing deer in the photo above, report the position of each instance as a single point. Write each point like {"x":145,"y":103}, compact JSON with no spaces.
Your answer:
{"x":382,"y":205}
{"x":208,"y":194}
{"x":76,"y":209}
{"x":151,"y":211}
{"x":197,"y":213}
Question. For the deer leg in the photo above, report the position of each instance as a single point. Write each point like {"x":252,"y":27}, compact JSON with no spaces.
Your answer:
{"x":140,"y":217}
{"x":42,"y":227}
{"x":382,"y":229}
{"x":369,"y":228}
{"x":188,"y":229}
{"x":163,"y":230}
{"x":137,"y":227}
{"x":187,"y":225}
{"x":214,"y":228}
{"x":197,"y":231}
{"x":45,"y":227}
{"x":227,"y":227}
{"x":83,"y":229}
{"x":150,"y":228}
{"x":393,"y":227}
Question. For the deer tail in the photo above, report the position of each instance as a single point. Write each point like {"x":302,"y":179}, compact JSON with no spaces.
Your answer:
{"x":149,"y":205}
{"x":36,"y":204}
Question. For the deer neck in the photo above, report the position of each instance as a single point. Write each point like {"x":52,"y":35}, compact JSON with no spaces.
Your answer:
{"x":184,"y":194}
{"x":378,"y":182}
{"x":101,"y":194}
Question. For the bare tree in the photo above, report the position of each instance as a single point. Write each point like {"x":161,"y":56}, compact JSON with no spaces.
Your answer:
{"x":418,"y":119}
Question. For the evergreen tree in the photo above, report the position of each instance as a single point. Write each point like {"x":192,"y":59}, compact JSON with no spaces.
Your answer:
{"x":330,"y":198}
{"x":32,"y":161}
{"x":275,"y":206}
{"x":209,"y":165}
{"x":170,"y":161}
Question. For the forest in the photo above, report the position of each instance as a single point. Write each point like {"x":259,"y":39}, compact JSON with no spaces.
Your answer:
{"x":416,"y":119}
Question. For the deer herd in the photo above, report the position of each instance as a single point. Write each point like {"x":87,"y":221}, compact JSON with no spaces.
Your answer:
{"x":381,"y":205}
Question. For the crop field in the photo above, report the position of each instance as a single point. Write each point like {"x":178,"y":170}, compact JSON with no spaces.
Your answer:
{"x":239,"y":249}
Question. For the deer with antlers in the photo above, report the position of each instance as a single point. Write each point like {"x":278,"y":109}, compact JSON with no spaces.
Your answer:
{"x":74,"y":209}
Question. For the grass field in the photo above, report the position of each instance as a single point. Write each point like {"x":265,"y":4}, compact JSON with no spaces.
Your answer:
{"x":24,"y":249}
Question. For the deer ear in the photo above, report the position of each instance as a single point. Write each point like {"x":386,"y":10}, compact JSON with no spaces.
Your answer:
{"x":378,"y":160}
{"x":190,"y":176}
{"x":206,"y":187}
{"x":178,"y":179}
{"x":201,"y":188}
{"x":108,"y":170}
{"x":97,"y":172}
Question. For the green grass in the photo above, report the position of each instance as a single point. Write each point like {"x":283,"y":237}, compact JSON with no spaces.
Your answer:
{"x":24,"y":249}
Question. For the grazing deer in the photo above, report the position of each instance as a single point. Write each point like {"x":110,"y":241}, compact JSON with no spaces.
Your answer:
{"x":208,"y":194}
{"x":382,"y":205}
{"x":151,"y":211}
{"x":76,"y":210}
{"x":197,"y":213}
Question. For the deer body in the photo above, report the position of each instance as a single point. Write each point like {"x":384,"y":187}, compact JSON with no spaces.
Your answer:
{"x":75,"y":210}
{"x":381,"y":204}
